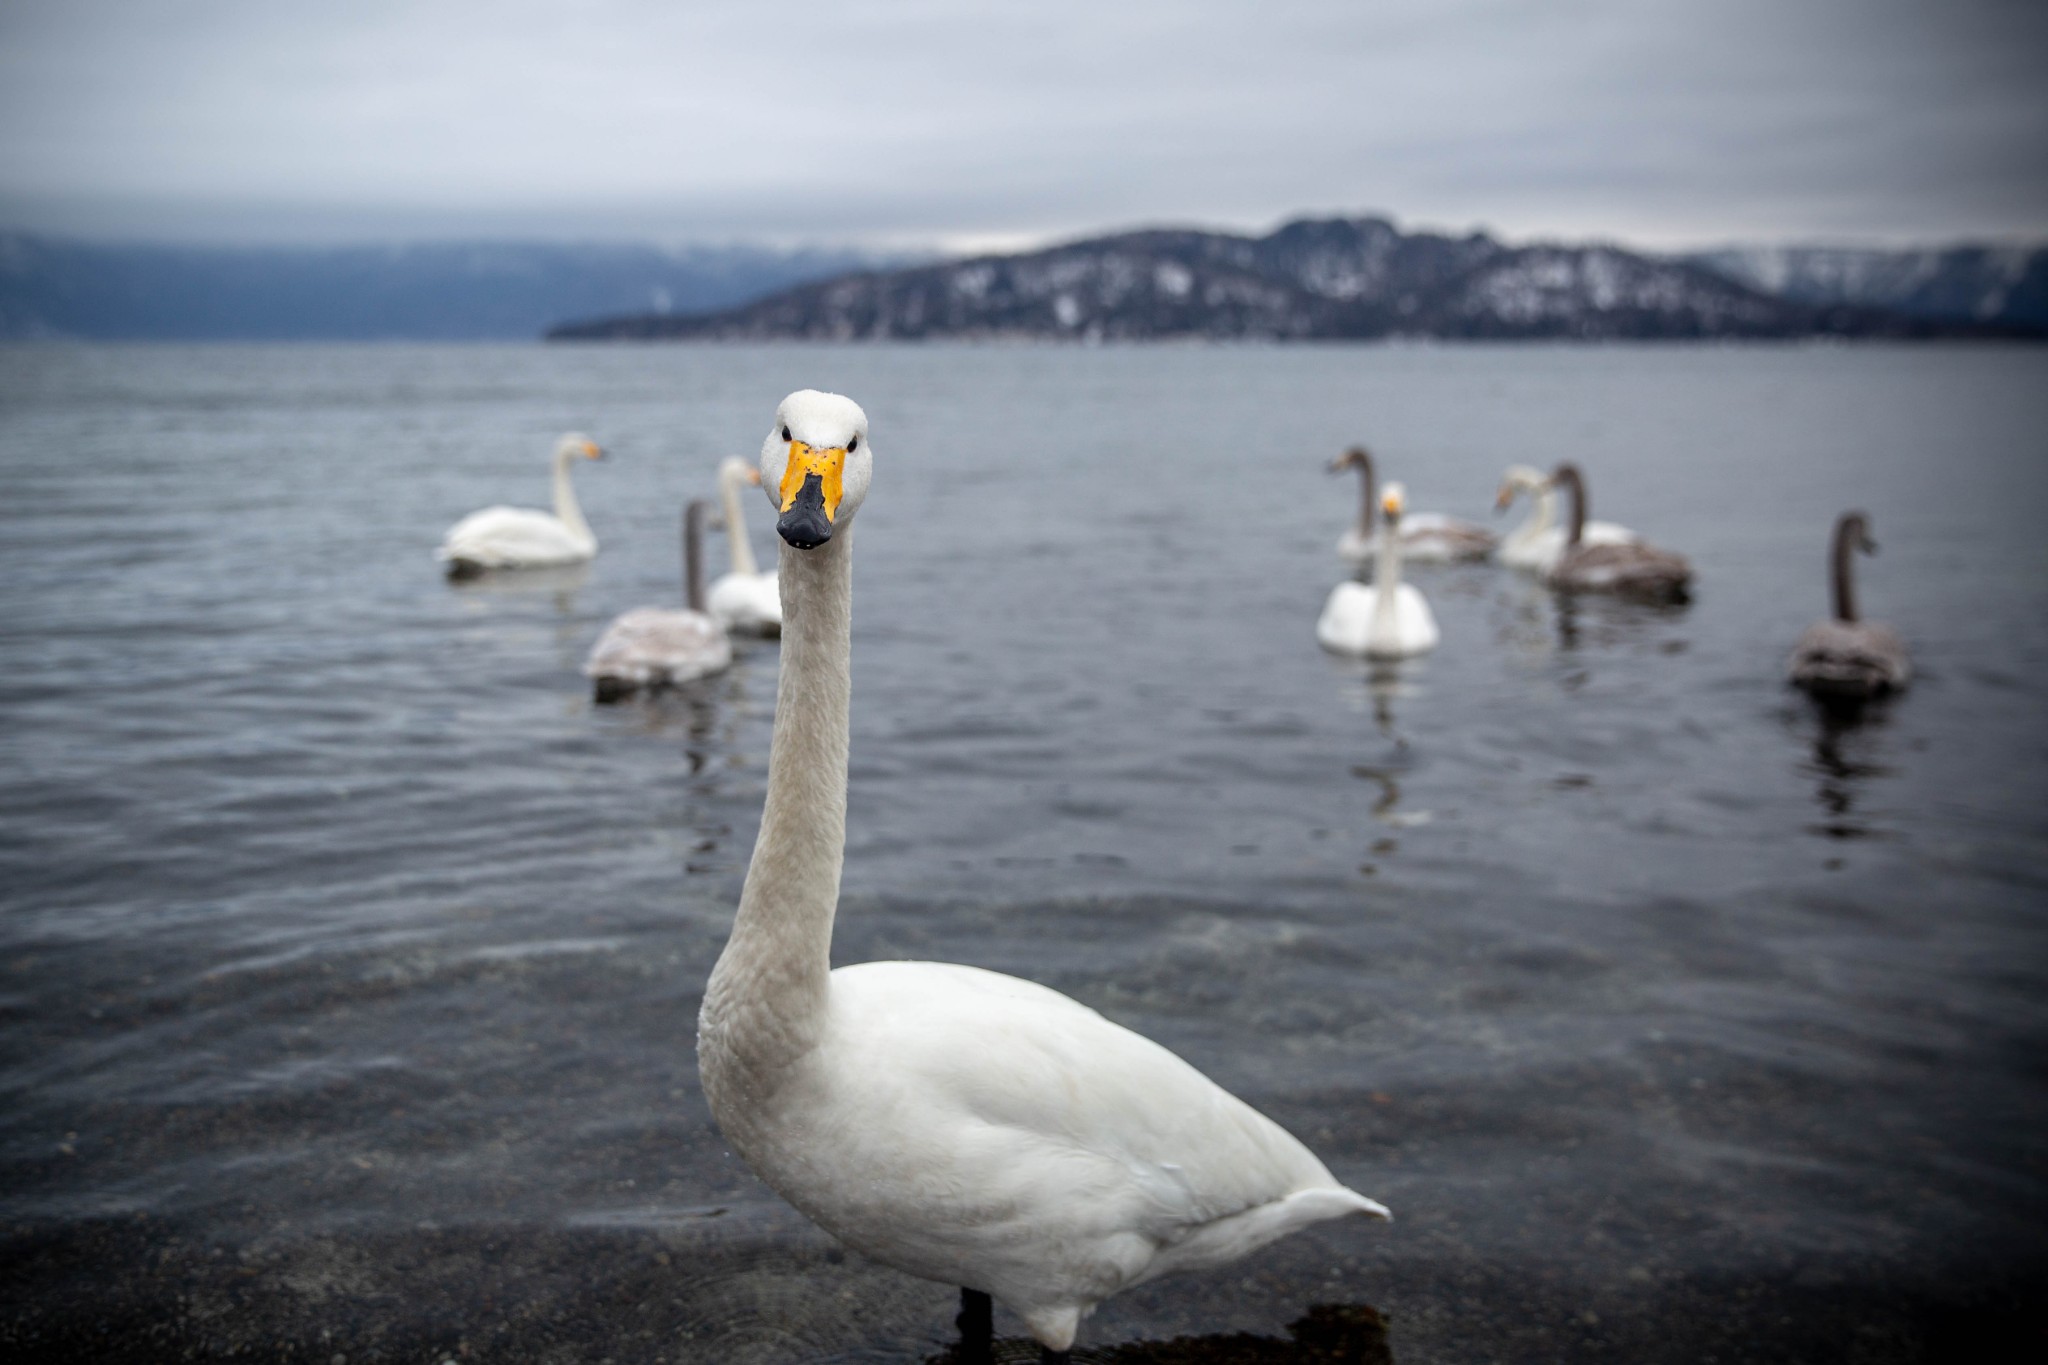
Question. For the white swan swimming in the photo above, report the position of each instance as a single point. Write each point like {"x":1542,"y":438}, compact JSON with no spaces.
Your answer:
{"x":1631,"y":568}
{"x":521,"y":538}
{"x":955,"y":1123}
{"x":745,"y":599}
{"x":1848,"y":658}
{"x":663,"y":646}
{"x":1425,"y":536}
{"x":1538,"y":543}
{"x":1384,"y":619}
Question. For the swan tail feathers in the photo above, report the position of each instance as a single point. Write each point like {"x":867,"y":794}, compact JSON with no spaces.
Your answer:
{"x":1054,"y":1328}
{"x":1317,"y":1205}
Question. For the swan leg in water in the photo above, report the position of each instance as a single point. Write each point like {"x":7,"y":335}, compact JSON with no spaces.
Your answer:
{"x":957,"y":1124}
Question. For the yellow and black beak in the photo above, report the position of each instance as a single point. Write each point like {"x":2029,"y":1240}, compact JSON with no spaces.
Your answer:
{"x":592,"y":451}
{"x":1504,"y":498}
{"x":811,"y":487}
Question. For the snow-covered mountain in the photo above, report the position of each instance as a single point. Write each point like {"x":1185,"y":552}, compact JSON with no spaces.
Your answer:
{"x":2006,"y":284}
{"x":1311,"y":279}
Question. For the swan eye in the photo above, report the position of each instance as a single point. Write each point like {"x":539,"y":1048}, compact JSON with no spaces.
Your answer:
{"x":853,"y":445}
{"x":785,"y":433}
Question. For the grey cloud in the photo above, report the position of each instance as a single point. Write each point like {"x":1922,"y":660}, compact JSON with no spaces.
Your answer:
{"x":1669,"y":121}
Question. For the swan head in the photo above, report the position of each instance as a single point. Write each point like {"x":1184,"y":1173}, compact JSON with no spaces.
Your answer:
{"x":1392,"y":502}
{"x":1856,"y":530}
{"x":815,"y":465}
{"x":1355,"y":458}
{"x":732,"y":469}
{"x":1515,"y":480}
{"x":576,"y":445}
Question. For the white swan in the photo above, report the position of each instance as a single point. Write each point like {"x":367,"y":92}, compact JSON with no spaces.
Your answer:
{"x":1385,"y":619}
{"x":521,"y":538}
{"x":745,"y":599}
{"x":662,"y":646}
{"x":954,"y":1123}
{"x":1848,"y":658}
{"x":1538,"y":543}
{"x":1425,"y":536}
{"x":1631,"y":568}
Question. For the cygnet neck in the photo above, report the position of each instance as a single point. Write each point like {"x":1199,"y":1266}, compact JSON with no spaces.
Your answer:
{"x":1574,"y":482}
{"x":731,"y":482}
{"x":1367,"y":507}
{"x":693,"y":554}
{"x":567,"y":510}
{"x":1850,"y":529}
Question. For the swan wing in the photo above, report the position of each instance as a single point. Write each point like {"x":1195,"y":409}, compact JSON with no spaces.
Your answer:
{"x":1633,"y":569}
{"x":747,"y":601}
{"x":1432,"y":536}
{"x":1346,"y":622}
{"x":1010,"y":1138}
{"x":651,"y":645}
{"x":1850,"y":658}
{"x":1356,"y":548}
{"x":503,"y":537}
{"x":1414,"y":623}
{"x":1604,"y":533}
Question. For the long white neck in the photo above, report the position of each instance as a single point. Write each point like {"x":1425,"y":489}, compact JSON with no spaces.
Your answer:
{"x":566,"y":510}
{"x":766,"y":1004}
{"x":1542,"y":516}
{"x":1386,"y":583}
{"x":735,"y":525}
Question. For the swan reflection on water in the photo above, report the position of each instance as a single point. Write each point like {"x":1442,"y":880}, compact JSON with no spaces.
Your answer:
{"x":1845,"y":738}
{"x":1590,"y":620}
{"x":561,"y":583}
{"x":1540,"y":623}
{"x":1376,"y":684}
{"x":705,"y":713}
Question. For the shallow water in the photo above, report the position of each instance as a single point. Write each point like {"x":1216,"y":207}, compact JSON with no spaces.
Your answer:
{"x":350,"y":955}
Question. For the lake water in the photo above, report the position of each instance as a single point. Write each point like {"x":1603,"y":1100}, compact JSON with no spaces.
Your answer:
{"x":351,"y":955}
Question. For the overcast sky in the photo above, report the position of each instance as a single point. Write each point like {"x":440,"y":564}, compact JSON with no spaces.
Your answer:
{"x":1662,"y":122}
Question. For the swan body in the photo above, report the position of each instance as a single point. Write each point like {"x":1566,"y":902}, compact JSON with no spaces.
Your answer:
{"x":1384,"y":619}
{"x":520,"y":537}
{"x":662,"y":646}
{"x":745,"y":599}
{"x":954,"y":1123}
{"x":1847,"y":658}
{"x":1631,"y":568}
{"x":1538,"y":543}
{"x":1425,"y":536}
